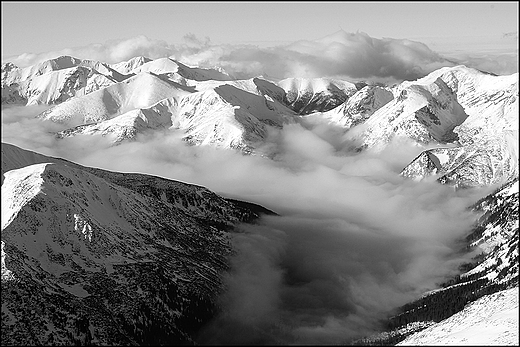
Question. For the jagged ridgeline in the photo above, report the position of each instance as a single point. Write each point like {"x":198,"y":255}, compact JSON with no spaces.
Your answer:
{"x":96,"y":257}
{"x":469,"y":117}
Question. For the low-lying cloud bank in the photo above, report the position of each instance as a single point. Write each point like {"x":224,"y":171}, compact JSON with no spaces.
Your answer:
{"x":355,"y":56}
{"x":354,"y":239}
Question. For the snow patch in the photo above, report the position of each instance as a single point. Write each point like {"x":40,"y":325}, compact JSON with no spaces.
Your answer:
{"x":7,"y":275}
{"x":490,"y":320}
{"x":81,"y":225}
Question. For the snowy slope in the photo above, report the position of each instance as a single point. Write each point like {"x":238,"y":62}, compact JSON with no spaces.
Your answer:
{"x":127,"y":125}
{"x":104,"y":69}
{"x":465,"y":166}
{"x":488,"y":137}
{"x":491,"y":320}
{"x":359,"y":107}
{"x":497,"y":236}
{"x":424,"y":112}
{"x":126,"y":67}
{"x":436,"y":162}
{"x":168,"y":65}
{"x":108,"y":258}
{"x":140,"y":91}
{"x":308,"y":95}
{"x":229,"y":117}
{"x":12,"y":74}
{"x":256,"y":85}
{"x":492,"y":272}
{"x":57,"y":86}
{"x":55,"y":80}
{"x":221,"y":115}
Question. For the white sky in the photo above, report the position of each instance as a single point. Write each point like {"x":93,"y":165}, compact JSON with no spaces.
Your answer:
{"x":35,"y":27}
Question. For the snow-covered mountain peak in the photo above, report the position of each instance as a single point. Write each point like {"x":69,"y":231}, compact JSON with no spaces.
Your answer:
{"x":430,"y":88}
{"x":60,"y":85}
{"x":472,"y":86}
{"x":170,"y":66}
{"x":424,"y":112}
{"x":255,"y":85}
{"x":56,"y":80}
{"x":222,"y":113}
{"x":489,"y":135}
{"x":126,"y":67}
{"x":140,"y":91}
{"x":229,"y":117}
{"x":18,"y":188}
{"x":104,"y":69}
{"x":158,"y":66}
{"x":360,"y":106}
{"x":62,"y":62}
{"x":22,"y":74}
{"x":127,"y":125}
{"x":308,"y":95}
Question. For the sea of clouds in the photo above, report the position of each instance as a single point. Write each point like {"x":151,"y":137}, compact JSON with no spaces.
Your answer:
{"x":353,"y":240}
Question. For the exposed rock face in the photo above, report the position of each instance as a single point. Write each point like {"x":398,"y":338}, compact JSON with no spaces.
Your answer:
{"x":488,"y":138}
{"x":168,"y":65}
{"x":126,"y":67}
{"x":360,"y":106}
{"x":306,"y":96}
{"x":108,"y":258}
{"x":11,"y":95}
{"x":497,"y":236}
{"x":424,"y":112}
{"x":434,"y":162}
{"x":462,"y":167}
{"x":229,"y":117}
{"x":140,"y":91}
{"x":221,"y":114}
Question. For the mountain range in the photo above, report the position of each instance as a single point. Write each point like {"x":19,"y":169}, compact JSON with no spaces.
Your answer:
{"x":83,"y":241}
{"x":468,"y":116}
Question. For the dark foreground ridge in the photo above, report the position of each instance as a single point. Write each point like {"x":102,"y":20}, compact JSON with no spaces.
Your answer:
{"x":106,"y":258}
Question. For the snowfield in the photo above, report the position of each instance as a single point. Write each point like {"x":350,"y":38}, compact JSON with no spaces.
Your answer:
{"x":491,"y":320}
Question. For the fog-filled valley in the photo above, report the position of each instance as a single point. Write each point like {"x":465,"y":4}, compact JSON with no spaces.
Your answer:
{"x":354,"y":239}
{"x":328,"y":184}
